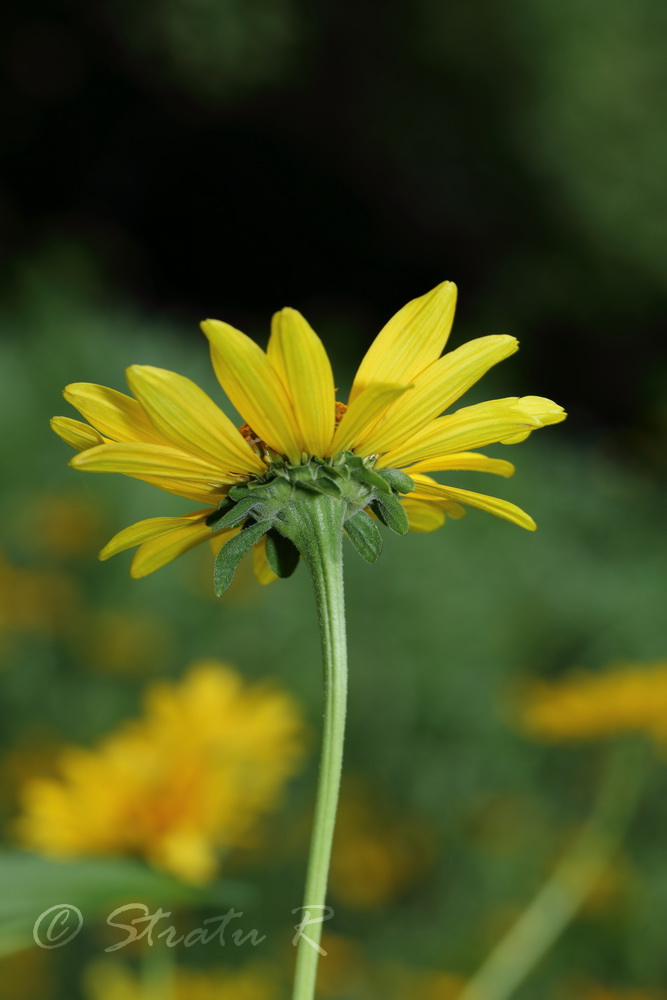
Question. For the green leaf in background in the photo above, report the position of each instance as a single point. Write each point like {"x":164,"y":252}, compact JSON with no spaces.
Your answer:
{"x":30,"y":885}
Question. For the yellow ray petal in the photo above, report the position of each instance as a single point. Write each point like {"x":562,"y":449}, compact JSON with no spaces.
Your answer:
{"x":254,"y":387}
{"x":299,"y":357}
{"x":410,"y":341}
{"x":436,"y":388}
{"x":114,"y":414}
{"x":152,"y":527}
{"x":470,"y":427}
{"x":186,"y":417}
{"x":423,"y":516}
{"x":263,"y":572}
{"x":164,"y":548}
{"x":426,"y":487}
{"x":159,"y":465}
{"x":362,"y":414}
{"x":464,"y":461}
{"x":544,"y":410}
{"x":75,"y":433}
{"x":191,"y":491}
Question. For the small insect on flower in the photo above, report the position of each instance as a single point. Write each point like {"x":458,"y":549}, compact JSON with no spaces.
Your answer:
{"x":374,"y":453}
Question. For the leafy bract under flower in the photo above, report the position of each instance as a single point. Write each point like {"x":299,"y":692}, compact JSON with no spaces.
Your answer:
{"x":373,"y":453}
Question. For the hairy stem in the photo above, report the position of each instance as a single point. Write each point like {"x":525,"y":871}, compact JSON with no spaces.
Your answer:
{"x":319,"y":535}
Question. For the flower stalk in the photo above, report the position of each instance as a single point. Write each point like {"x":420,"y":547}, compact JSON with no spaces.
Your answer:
{"x":316,"y":528}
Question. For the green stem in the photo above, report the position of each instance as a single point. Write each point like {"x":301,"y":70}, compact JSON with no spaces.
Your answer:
{"x":559,"y":899}
{"x":317,"y":529}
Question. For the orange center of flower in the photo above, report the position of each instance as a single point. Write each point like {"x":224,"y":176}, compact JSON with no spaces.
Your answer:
{"x":246,"y":431}
{"x":340,"y":412}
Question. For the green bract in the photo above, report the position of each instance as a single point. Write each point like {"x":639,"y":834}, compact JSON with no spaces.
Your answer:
{"x":281,"y":504}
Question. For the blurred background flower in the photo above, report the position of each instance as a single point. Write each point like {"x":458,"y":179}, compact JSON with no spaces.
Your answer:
{"x":186,"y":782}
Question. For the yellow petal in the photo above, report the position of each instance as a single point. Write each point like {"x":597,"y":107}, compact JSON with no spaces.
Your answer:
{"x":544,"y":410}
{"x":425,"y":487}
{"x":470,"y":427}
{"x":299,"y":357}
{"x":158,"y":465}
{"x":436,"y":388}
{"x":186,"y":417}
{"x":410,"y":341}
{"x":159,"y":551}
{"x":152,"y":527}
{"x":254,"y":387}
{"x":422,"y":515}
{"x":75,"y":433}
{"x":202,"y":493}
{"x":260,"y":565}
{"x":464,"y":461}
{"x":362,"y":414}
{"x":114,"y":414}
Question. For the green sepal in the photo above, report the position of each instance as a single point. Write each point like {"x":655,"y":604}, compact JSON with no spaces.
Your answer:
{"x":281,"y":554}
{"x":321,"y":485}
{"x":238,"y":512}
{"x":365,"y":536}
{"x":372,"y":479}
{"x":231,"y":554}
{"x":237,"y":493}
{"x":391,"y":512}
{"x":398,"y":480}
{"x":224,"y":505}
{"x":325,"y":484}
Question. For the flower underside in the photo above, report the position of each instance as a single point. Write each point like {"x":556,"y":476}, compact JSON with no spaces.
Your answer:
{"x":374,"y":454}
{"x":263,"y":508}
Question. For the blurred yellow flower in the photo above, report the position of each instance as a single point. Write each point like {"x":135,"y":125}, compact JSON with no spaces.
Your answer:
{"x":113,"y":981}
{"x":626,"y":698}
{"x":185,"y":782}
{"x":36,"y":600}
{"x":174,"y":436}
{"x":376,"y":857}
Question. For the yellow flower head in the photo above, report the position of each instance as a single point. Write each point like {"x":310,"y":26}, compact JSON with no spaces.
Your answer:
{"x":626,"y":698}
{"x":173,"y":435}
{"x":187,"y":781}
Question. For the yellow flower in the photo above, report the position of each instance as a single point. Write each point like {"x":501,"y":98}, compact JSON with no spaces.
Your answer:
{"x":113,"y":981}
{"x":625,"y":698}
{"x":174,"y":436}
{"x":186,"y":782}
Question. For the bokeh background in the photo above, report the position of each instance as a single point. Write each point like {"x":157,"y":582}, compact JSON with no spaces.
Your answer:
{"x":173,"y":160}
